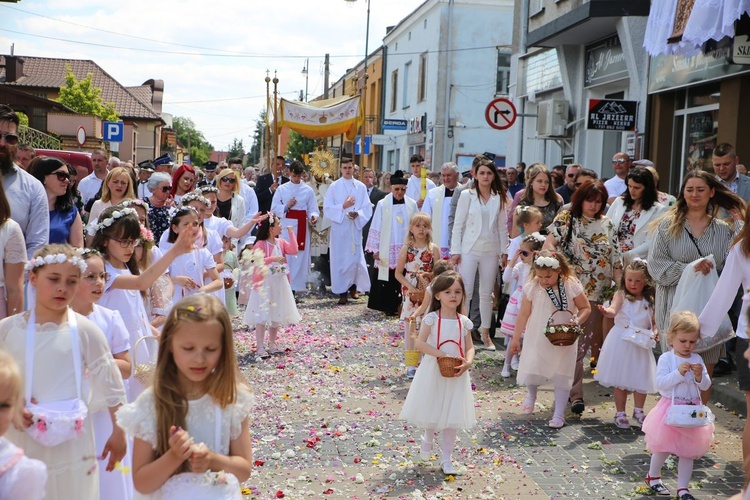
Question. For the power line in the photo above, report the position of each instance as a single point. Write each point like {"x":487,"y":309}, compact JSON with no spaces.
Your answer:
{"x":226,"y":99}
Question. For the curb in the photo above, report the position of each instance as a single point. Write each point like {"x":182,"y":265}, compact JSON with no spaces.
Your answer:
{"x":727,"y":392}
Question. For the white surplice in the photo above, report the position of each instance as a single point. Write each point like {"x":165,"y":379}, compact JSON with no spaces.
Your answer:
{"x":414,"y":187}
{"x":348,"y":265}
{"x":299,"y":265}
{"x":400,"y":215}
{"x":438,"y":207}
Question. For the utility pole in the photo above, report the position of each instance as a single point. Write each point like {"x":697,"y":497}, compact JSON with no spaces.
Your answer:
{"x":326,"y":76}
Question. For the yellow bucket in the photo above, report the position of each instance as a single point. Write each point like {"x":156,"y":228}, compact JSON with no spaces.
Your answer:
{"x":412,"y":358}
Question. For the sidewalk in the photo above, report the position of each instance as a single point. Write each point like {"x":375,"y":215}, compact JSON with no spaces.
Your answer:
{"x":327,"y":426}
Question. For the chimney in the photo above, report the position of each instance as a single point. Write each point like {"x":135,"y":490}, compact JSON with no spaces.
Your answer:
{"x":13,"y":68}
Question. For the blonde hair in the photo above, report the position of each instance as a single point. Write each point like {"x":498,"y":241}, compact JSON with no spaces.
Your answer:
{"x":117,"y":171}
{"x":10,"y":382}
{"x":525,"y":214}
{"x":226,"y":173}
{"x":682,"y":321}
{"x":419,"y":217}
{"x":222,"y":384}
{"x":53,"y":249}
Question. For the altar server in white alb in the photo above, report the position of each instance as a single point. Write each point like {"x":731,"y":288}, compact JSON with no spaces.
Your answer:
{"x":438,"y":206}
{"x":295,"y":203}
{"x":387,"y":234}
{"x":414,"y":186}
{"x":348,"y":208}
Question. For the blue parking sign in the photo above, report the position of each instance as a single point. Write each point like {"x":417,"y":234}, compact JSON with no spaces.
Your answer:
{"x":113,"y":131}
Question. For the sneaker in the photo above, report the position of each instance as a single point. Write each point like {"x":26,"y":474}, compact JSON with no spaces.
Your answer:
{"x":410,"y":372}
{"x":506,"y":372}
{"x":514,"y":362}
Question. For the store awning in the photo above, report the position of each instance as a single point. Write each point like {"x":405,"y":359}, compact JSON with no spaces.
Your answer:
{"x":684,"y":26}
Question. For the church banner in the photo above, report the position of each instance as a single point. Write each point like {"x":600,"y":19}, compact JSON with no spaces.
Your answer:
{"x":318,"y":119}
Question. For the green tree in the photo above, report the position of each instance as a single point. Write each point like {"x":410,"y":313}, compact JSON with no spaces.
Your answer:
{"x":83,"y":97}
{"x":237,"y":149}
{"x":254,"y":155}
{"x":23,"y":118}
{"x":299,"y":145}
{"x":190,"y":137}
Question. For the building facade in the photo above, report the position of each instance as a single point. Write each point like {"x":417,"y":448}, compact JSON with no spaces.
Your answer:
{"x":573,"y":55}
{"x":443,"y":64}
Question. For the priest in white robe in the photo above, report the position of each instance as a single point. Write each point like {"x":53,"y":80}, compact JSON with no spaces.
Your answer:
{"x":295,"y":203}
{"x":438,"y":206}
{"x":414,"y":186}
{"x":387,"y":235}
{"x":348,"y":208}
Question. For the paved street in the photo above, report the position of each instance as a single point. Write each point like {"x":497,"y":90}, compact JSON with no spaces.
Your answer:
{"x":327,"y":426}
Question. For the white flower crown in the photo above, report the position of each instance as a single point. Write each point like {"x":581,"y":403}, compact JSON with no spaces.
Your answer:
{"x":56,"y":258}
{"x":550,"y":262}
{"x":538,"y":237}
{"x":94,"y":228}
{"x":194,"y":196}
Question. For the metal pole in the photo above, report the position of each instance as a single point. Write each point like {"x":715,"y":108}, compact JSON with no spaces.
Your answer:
{"x":364,"y":92}
{"x":307,"y":75}
{"x":275,"y":114}
{"x":267,"y":135}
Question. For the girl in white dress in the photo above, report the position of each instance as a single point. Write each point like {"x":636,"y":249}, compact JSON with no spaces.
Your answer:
{"x":191,"y":427}
{"x":271,"y":302}
{"x":188,"y":270}
{"x":622,"y":364}
{"x":517,"y":271}
{"x":211,"y":240}
{"x":20,"y":476}
{"x":552,"y":288}
{"x":113,"y":484}
{"x":55,"y":347}
{"x":115,"y":236}
{"x":434,"y":402}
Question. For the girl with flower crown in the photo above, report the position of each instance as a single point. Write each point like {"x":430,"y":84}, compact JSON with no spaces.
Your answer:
{"x":115,"y":236}
{"x":271,"y":303}
{"x":552,"y":289}
{"x":55,"y":348}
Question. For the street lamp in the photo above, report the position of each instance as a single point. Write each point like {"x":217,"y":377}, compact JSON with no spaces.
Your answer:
{"x":364,"y":87}
{"x":306,"y":72}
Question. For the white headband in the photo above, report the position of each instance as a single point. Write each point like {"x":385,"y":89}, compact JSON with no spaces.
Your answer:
{"x":92,"y":228}
{"x":56,"y":258}
{"x":550,"y":262}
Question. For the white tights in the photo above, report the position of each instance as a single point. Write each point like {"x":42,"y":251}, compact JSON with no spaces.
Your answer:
{"x":561,"y":399}
{"x":448,"y":441}
{"x":684,"y":468}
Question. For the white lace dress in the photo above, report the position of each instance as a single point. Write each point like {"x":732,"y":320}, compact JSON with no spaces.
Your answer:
{"x":12,"y":251}
{"x":139,"y":421}
{"x":20,"y":476}
{"x":71,"y":466}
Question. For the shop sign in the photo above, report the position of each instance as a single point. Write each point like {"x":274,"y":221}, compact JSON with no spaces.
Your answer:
{"x":605,"y":62}
{"x":417,"y":125}
{"x":675,"y":71}
{"x":741,"y":42}
{"x":611,"y":114}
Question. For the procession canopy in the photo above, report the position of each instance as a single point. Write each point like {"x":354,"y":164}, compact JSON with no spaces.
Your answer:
{"x":325,"y":118}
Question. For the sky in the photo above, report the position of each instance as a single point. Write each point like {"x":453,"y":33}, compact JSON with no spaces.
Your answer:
{"x":211,"y":54}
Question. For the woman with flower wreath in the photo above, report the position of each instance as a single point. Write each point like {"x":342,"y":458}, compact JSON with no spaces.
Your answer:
{"x":588,"y":238}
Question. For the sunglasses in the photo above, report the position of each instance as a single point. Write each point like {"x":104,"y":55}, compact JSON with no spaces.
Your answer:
{"x":571,"y":175}
{"x":524,"y":253}
{"x":230,"y":180}
{"x":166,"y":189}
{"x":61,"y":176}
{"x":620,"y":161}
{"x":10,"y":139}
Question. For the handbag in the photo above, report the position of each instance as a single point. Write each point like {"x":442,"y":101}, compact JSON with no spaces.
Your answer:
{"x":687,"y":414}
{"x":641,"y":337}
{"x":55,"y":422}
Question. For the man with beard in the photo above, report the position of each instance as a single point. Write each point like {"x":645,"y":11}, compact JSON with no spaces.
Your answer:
{"x":26,"y":195}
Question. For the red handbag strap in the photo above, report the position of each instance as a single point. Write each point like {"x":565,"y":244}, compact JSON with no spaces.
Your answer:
{"x":460,"y":334}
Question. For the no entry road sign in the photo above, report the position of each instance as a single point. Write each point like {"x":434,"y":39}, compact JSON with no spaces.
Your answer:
{"x":501,"y":113}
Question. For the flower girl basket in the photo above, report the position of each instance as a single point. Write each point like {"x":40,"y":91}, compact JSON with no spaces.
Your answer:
{"x":143,"y":371}
{"x":449,"y":364}
{"x":562,"y":328}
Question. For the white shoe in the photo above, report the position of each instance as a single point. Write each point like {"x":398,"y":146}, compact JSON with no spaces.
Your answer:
{"x":505,"y":373}
{"x":514,"y":362}
{"x":449,"y":469}
{"x":425,"y":455}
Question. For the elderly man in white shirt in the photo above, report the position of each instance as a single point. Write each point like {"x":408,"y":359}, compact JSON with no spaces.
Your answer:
{"x":438,"y":206}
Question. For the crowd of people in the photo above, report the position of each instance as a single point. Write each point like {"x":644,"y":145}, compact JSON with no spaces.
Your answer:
{"x":129,"y":277}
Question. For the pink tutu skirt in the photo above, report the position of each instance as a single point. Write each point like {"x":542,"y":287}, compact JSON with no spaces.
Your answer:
{"x":687,"y":442}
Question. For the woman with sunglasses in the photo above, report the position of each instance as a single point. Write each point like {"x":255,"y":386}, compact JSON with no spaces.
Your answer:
{"x":117,"y":187}
{"x":159,"y":203}
{"x":65,"y":224}
{"x":229,"y":204}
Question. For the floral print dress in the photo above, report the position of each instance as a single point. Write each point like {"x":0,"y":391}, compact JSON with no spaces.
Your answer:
{"x":593,"y":250}
{"x":626,"y":231}
{"x":418,"y":260}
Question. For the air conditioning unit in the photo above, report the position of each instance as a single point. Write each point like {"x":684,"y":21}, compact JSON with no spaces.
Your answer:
{"x":552,"y":118}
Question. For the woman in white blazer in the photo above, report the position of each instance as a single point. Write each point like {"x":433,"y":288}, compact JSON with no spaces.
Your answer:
{"x":480,"y":238}
{"x":633,"y":210}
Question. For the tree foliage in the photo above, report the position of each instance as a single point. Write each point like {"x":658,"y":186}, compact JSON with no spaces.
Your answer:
{"x":83,"y":97}
{"x":254,"y":155}
{"x":237,"y":149}
{"x":190,"y":137}
{"x":299,"y":145}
